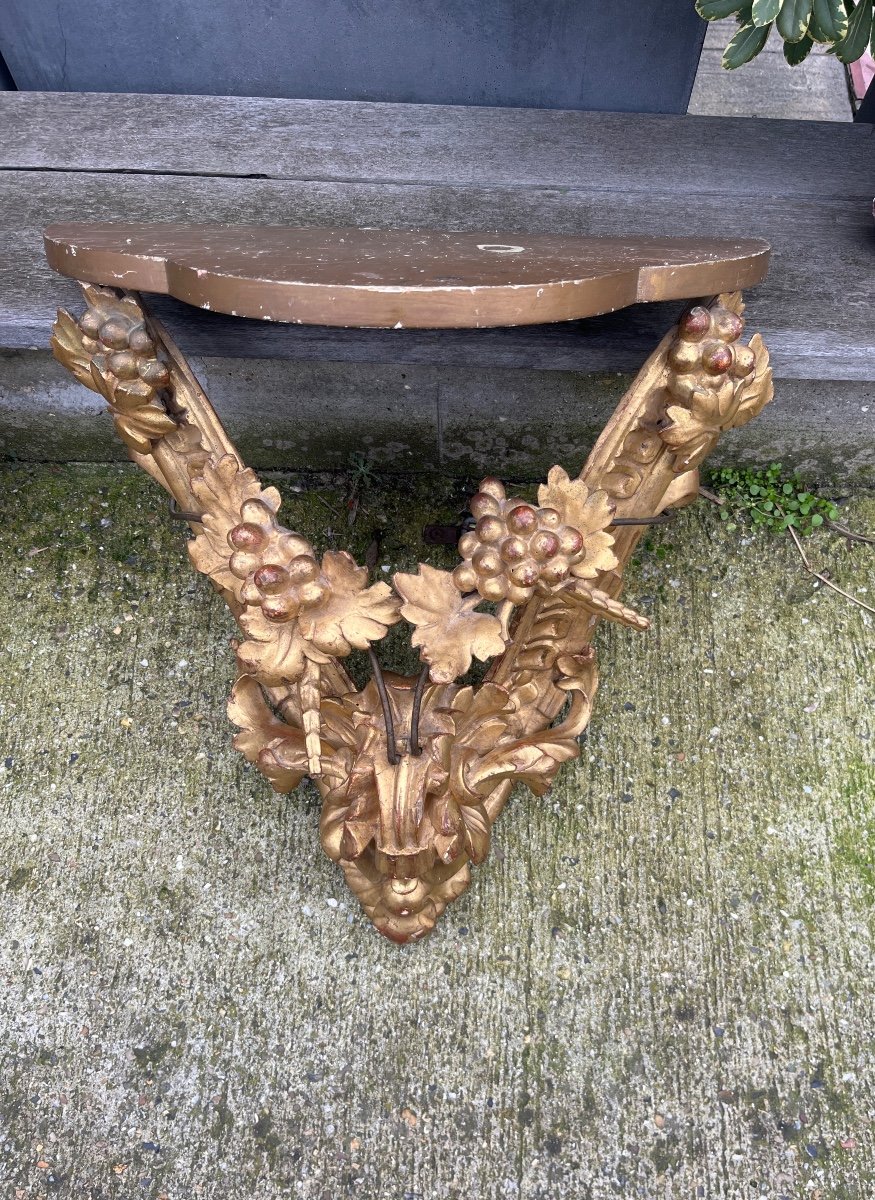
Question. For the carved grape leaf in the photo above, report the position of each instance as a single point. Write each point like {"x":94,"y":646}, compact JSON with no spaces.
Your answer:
{"x":139,"y":419}
{"x":448,"y":630}
{"x":692,"y":431}
{"x":222,"y":489}
{"x":277,"y":652}
{"x":589,"y":512}
{"x":274,"y":747}
{"x":585,"y":510}
{"x":352,"y":615}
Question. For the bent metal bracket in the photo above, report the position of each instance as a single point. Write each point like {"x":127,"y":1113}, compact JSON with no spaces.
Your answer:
{"x":414,"y":771}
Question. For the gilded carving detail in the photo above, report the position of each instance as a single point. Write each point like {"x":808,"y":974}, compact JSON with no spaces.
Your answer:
{"x":715,"y":383}
{"x":110,"y":350}
{"x":414,"y":771}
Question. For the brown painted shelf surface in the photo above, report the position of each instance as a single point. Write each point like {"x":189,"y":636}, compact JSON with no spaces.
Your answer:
{"x":420,"y":279}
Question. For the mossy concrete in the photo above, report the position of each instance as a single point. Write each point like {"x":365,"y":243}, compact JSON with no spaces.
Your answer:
{"x":659,"y":985}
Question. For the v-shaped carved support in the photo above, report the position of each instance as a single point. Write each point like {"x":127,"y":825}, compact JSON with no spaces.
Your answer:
{"x":414,"y":771}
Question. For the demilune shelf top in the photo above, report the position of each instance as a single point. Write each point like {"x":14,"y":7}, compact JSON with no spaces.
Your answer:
{"x":394,"y":279}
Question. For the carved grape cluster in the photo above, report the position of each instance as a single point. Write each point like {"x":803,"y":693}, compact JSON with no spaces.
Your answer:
{"x":514,"y":547}
{"x":280,"y":572}
{"x":122,"y":348}
{"x":706,"y":352}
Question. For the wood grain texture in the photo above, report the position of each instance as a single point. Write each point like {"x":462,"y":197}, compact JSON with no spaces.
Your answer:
{"x":677,"y":997}
{"x":814,"y":90}
{"x":345,"y":142}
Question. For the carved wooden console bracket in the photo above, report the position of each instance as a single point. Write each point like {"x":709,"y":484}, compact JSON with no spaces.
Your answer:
{"x":414,"y":771}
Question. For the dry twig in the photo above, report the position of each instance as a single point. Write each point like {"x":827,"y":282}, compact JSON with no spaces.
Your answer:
{"x":707,"y":494}
{"x":849,"y":534}
{"x":825,"y":578}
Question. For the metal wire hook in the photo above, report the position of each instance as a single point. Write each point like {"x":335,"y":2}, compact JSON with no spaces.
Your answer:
{"x":391,"y":746}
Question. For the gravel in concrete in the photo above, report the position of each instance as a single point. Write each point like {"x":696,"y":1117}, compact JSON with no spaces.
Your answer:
{"x":658,"y":986}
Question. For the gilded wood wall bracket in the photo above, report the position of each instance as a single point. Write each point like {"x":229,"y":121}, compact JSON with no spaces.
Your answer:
{"x":414,"y":771}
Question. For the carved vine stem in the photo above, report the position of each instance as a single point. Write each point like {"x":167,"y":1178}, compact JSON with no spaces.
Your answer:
{"x":415,"y":771}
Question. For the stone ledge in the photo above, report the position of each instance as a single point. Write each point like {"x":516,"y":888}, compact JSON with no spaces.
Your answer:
{"x":463,"y":421}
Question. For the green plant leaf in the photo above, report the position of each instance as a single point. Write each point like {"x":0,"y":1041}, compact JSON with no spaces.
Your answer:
{"x":854,"y":43}
{"x":797,"y":52}
{"x":716,"y":10}
{"x":831,"y":20}
{"x":746,"y":45}
{"x":765,"y":11}
{"x":793,"y":19}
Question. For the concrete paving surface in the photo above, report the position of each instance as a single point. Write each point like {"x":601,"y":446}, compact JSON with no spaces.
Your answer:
{"x":659,"y":985}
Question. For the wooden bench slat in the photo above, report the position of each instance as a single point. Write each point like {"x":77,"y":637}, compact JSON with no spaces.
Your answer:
{"x":346,"y":141}
{"x":815,"y":307}
{"x":805,"y":187}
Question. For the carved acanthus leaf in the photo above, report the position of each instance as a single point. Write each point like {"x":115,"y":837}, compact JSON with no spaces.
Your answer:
{"x":268,"y":743}
{"x":532,"y":761}
{"x":110,"y":350}
{"x":535,"y":760}
{"x":578,"y":672}
{"x":449,"y":632}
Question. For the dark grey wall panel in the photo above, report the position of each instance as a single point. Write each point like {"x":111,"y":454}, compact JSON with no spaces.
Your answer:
{"x":7,"y":84}
{"x":625,"y":55}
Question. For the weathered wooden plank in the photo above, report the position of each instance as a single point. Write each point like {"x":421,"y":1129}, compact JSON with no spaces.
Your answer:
{"x":815,"y":306}
{"x":442,"y":144}
{"x":815,"y":90}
